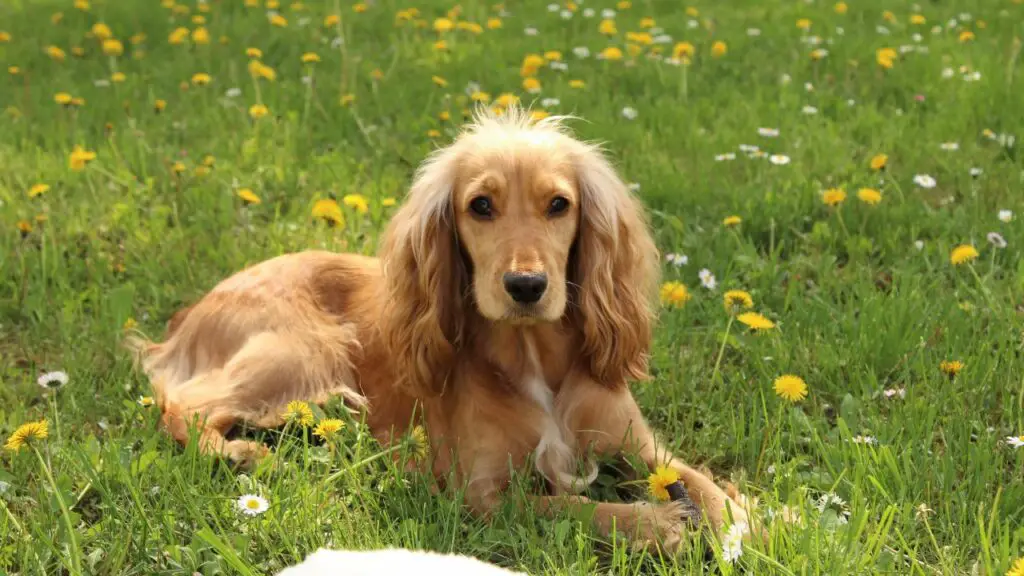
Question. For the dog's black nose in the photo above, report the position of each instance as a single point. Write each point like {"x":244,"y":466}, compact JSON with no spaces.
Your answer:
{"x":525,"y":288}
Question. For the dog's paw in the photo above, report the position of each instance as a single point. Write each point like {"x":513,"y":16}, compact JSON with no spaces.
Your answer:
{"x":245,"y":453}
{"x":665,"y":526}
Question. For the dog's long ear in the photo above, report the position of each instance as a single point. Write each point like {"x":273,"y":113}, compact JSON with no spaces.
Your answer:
{"x":424,"y":279}
{"x":616,"y":270}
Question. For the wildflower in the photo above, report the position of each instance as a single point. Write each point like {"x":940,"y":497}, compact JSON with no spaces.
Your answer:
{"x":201,"y":36}
{"x":538,"y":115}
{"x":5,"y":37}
{"x":950,"y":146}
{"x":779,"y":159}
{"x":347,"y":99}
{"x":118,"y":77}
{"x":790,"y":388}
{"x":505,"y":100}
{"x":809,"y":110}
{"x":53,"y":379}
{"x":254,"y":53}
{"x":718,"y":49}
{"x":178,"y":35}
{"x":677,"y":259}
{"x":629,"y":113}
{"x":833,"y":196}
{"x":360,"y":8}
{"x":38,"y":190}
{"x":768,"y":132}
{"x":78,"y":101}
{"x":331,"y":20}
{"x":159,"y":105}
{"x":252,"y":505}
{"x":248,"y":196}
{"x":26,"y":434}
{"x":79,"y":158}
{"x":1005,"y":215}
{"x":278,"y":20}
{"x":674,"y":294}
{"x":388,"y":202}
{"x":885,"y":57}
{"x":257,"y":111}
{"x":963,"y":253}
{"x":893,"y":392}
{"x":607,"y":27}
{"x":145,"y":401}
{"x":55,"y":53}
{"x":736,"y":300}
{"x":966,"y":36}
{"x":1017,"y":569}
{"x":611,"y":53}
{"x":878,"y":161}
{"x":300,"y":412}
{"x":201,"y":79}
{"x":328,"y":428}
{"x":996,"y":239}
{"x":310,"y":58}
{"x":659,"y":481}
{"x":440,"y":45}
{"x":1015,"y":441}
{"x":803,"y":24}
{"x":731,"y":221}
{"x":840,"y":7}
{"x":924,"y":181}
{"x":113,"y":47}
{"x":62,"y":98}
{"x":951,"y":367}
{"x":837,"y":505}
{"x":859,"y":439}
{"x":82,"y":5}
{"x":329,"y":211}
{"x":419,"y":444}
{"x":356,"y":201}
{"x":577,"y":84}
{"x":707,"y":279}
{"x":755,"y":321}
{"x":917,"y":19}
{"x":732,"y":542}
{"x":869,"y":196}
{"x":13,"y":70}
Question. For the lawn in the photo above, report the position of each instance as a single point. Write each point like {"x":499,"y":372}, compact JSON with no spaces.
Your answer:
{"x":853,"y":168}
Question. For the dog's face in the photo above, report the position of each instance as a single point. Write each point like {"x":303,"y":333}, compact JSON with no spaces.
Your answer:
{"x":516,"y":206}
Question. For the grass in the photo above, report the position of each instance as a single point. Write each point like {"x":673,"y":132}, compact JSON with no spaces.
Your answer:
{"x":863,"y":314}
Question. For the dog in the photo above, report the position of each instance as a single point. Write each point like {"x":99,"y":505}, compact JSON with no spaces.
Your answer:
{"x":509,"y":309}
{"x":326,"y":562}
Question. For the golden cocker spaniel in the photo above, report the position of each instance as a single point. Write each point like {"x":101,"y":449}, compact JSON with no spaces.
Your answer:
{"x":511,"y":304}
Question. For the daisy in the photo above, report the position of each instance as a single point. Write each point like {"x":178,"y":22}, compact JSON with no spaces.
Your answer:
{"x":607,"y":13}
{"x":530,"y":31}
{"x":145,"y":401}
{"x":753,"y":32}
{"x":1005,"y":215}
{"x":53,"y":379}
{"x":924,"y":181}
{"x":895,"y":392}
{"x":749,"y":149}
{"x":1015,"y":441}
{"x":996,"y":239}
{"x":581,"y":52}
{"x":809,"y":110}
{"x":550,"y":102}
{"x":768,"y":132}
{"x":659,"y":481}
{"x":791,"y":388}
{"x":588,"y":12}
{"x":919,"y":244}
{"x":975,"y":172}
{"x":677,"y":260}
{"x":858,"y":439}
{"x":963,"y":253}
{"x":755,"y":321}
{"x":252,"y":505}
{"x":724,"y":157}
{"x":779,"y":159}
{"x":732,"y":542}
{"x":707,"y":279}
{"x":629,"y":113}
{"x":950,"y":146}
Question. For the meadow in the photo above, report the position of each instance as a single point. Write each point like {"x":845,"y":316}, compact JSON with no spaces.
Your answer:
{"x":852,"y":169}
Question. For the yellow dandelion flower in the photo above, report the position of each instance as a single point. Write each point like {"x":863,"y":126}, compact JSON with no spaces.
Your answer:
{"x":331,"y":20}
{"x":878,"y":161}
{"x":82,"y":5}
{"x":201,"y":79}
{"x":531,"y":65}
{"x":951,"y":367}
{"x":272,"y":4}
{"x":101,"y":31}
{"x":178,"y":36}
{"x":439,"y":81}
{"x":917,"y":19}
{"x":433,"y":133}
{"x":79,"y":158}
{"x":118,"y":77}
{"x":444,"y":116}
{"x":553,"y":56}
{"x":26,"y":434}
{"x":674,"y":294}
{"x":790,"y":388}
{"x":833,"y":196}
{"x":329,"y":211}
{"x":803,"y":24}
{"x":129,"y":324}
{"x":719,"y":49}
{"x":388,"y":202}
{"x":5,"y":36}
{"x":886,"y":57}
{"x":659,"y":481}
{"x":347,"y":99}
{"x":755,"y":321}
{"x":56,"y":18}
{"x":13,"y":70}
{"x":440,"y":45}
{"x":737,"y":300}
{"x":178,"y":167}
{"x":577,"y":84}
{"x":624,"y":5}
{"x":493,"y":23}
{"x":257,"y":111}
{"x":360,"y":8}
{"x":482,"y":97}
{"x":419,"y":444}
{"x":869,"y":196}
{"x":38,"y":190}
{"x":159,"y":105}
{"x":357,"y":202}
{"x":611,"y":53}
{"x":62,"y":98}
{"x":966,"y":36}
{"x":683,"y":50}
{"x":199,"y":18}
{"x":1018,"y":566}
{"x":442,"y":25}
{"x":299,"y":412}
{"x":538,"y":115}
{"x":506,"y":99}
{"x":888,"y":16}
{"x":248,"y":196}
{"x":963,"y":254}
{"x":55,"y":53}
{"x":254,"y":53}
{"x":607,"y":27}
{"x":840,"y":8}
{"x":328,"y":427}
{"x":310,"y":58}
{"x":201,"y":36}
{"x":692,"y":12}
{"x":25,"y":227}
{"x":278,"y":20}
{"x":78,"y":101}
{"x":647,"y":22}
{"x":731,"y":221}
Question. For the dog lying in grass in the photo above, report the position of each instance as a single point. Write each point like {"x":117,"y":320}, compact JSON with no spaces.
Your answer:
{"x":510,"y":307}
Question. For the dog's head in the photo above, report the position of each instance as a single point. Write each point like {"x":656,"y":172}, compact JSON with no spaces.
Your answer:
{"x":520,"y":223}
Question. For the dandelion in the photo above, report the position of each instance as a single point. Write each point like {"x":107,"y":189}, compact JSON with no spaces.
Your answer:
{"x":26,"y":434}
{"x":885,"y":57}
{"x":201,"y":79}
{"x":732,"y":542}
{"x":329,"y":211}
{"x":1017,"y":569}
{"x":996,"y":239}
{"x":248,"y":196}
{"x":840,"y":8}
{"x":659,"y":481}
{"x":257,"y":111}
{"x":118,"y":77}
{"x":674,"y":294}
{"x":962,"y":254}
{"x":159,"y":106}
{"x":331,"y":20}
{"x":779,"y":159}
{"x":755,"y":321}
{"x":1005,"y":215}
{"x":439,"y":81}
{"x":790,"y":388}
{"x":419,"y":444}
{"x":611,"y":53}
{"x":479,"y":96}
{"x":833,"y":196}
{"x":531,"y":85}
{"x":966,"y":36}
{"x":879,"y":161}
{"x":707,"y":279}
{"x":79,"y":158}
{"x":731,"y":221}
{"x":146,"y":401}
{"x":327,"y":428}
{"x":310,"y":58}
{"x":1015,"y":441}
{"x":832,"y":502}
{"x":278,"y":20}
{"x":869,"y":196}
{"x":951,"y":367}
{"x":737,"y":300}
{"x":113,"y":47}
{"x":607,"y":27}
{"x":577,"y":84}
{"x":201,"y":36}
{"x":252,"y":505}
{"x":38,"y":190}
{"x":718,"y":49}
{"x":299,"y":412}
{"x":803,"y":24}
{"x":52,"y":380}
{"x":55,"y":53}
{"x":388,"y":202}
{"x":5,"y":37}
{"x":442,"y":25}
{"x":178,"y":35}
{"x":357,"y":202}
{"x":347,"y":99}
{"x":924,"y":181}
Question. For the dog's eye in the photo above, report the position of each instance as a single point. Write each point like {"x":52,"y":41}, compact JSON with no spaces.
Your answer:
{"x":558,"y":205}
{"x":481,"y":206}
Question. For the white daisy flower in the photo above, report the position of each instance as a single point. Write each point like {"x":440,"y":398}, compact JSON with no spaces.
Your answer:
{"x":530,"y":31}
{"x":948,"y":72}
{"x":1005,"y":215}
{"x":691,"y":24}
{"x":753,"y":32}
{"x":554,"y":7}
{"x":916,"y":37}
{"x":634,"y":186}
{"x":996,"y":239}
{"x":566,"y":14}
{"x":768,"y":132}
{"x":252,"y":505}
{"x":53,"y":379}
{"x":808,"y":87}
{"x":785,"y":79}
{"x":924,"y":181}
{"x":472,"y":88}
{"x":1006,"y":140}
{"x":1015,"y":441}
{"x":749,"y":148}
{"x":840,"y":31}
{"x":972,"y":76}
{"x":950,"y":146}
{"x":560,"y":66}
{"x":629,"y":113}
{"x":607,"y":13}
{"x":732,"y":542}
{"x":779,"y":159}
{"x":337,"y":42}
{"x":965,"y":16}
{"x":656,"y":30}
{"x":662,"y":39}
{"x":677,"y":260}
{"x":550,"y":102}
{"x":707,"y":279}
{"x":581,"y":52}
{"x":725,"y":157}
{"x":588,"y":12}
{"x":882,"y":30}
{"x":897,"y":392}
{"x":809,"y":110}
{"x":975,"y":172}
{"x":858,"y":439}
{"x":101,"y":83}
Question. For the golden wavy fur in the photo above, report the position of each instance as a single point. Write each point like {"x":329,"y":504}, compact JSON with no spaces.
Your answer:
{"x":510,"y":307}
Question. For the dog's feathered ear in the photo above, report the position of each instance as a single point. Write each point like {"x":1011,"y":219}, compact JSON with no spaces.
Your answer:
{"x":616,"y":270}
{"x":424,"y":279}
